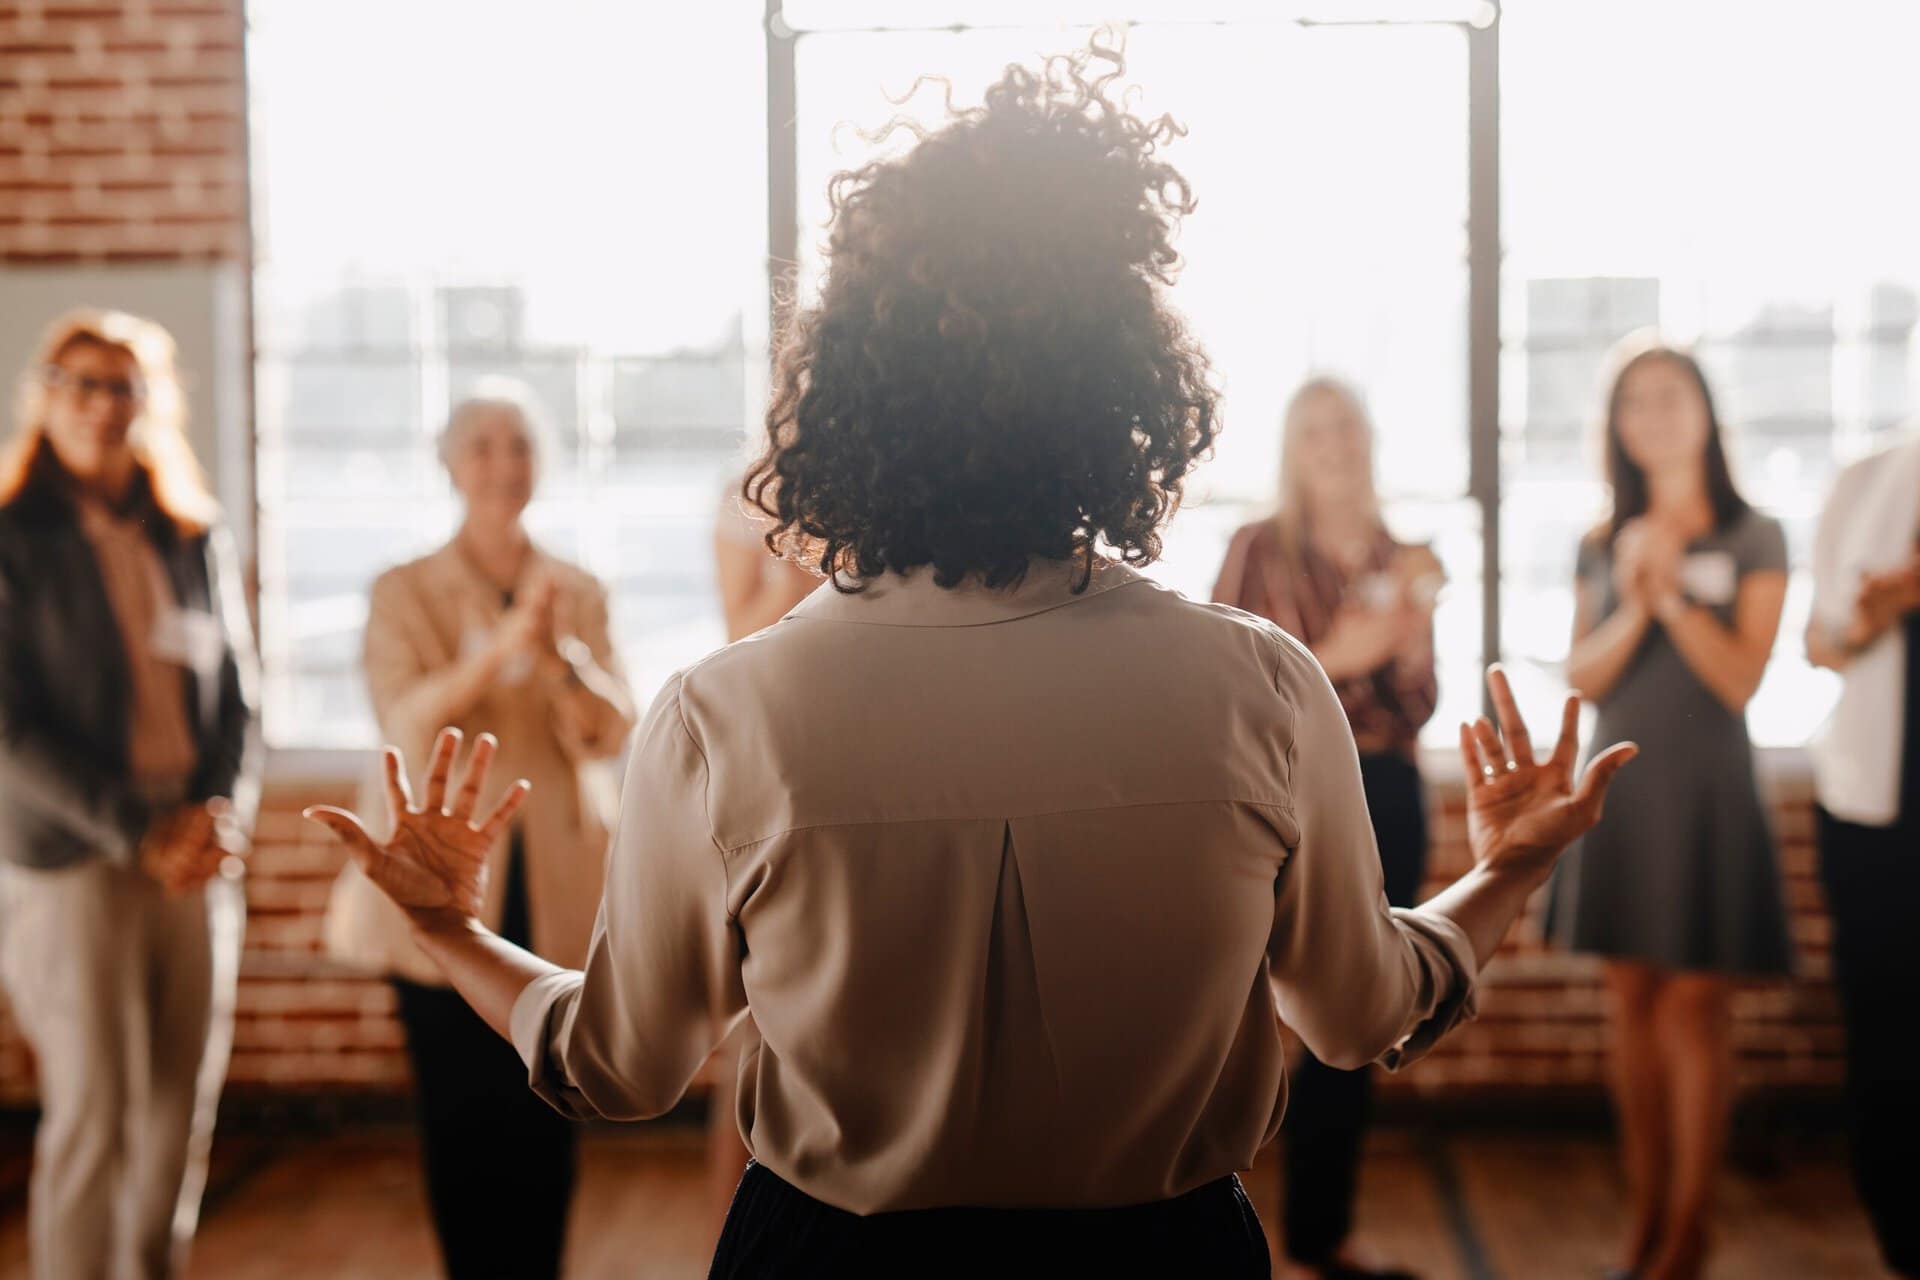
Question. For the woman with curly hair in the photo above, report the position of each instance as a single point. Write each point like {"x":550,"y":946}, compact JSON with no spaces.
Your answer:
{"x":1006,"y":849}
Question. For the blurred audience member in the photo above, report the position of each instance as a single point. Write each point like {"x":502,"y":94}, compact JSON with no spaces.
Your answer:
{"x":128,"y":784}
{"x":1679,"y":596}
{"x":1866,"y":626}
{"x":1325,"y":568}
{"x":493,"y":634}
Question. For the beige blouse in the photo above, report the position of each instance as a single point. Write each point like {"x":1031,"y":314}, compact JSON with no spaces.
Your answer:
{"x":421,"y":618}
{"x":161,"y":751}
{"x":1018,"y":886}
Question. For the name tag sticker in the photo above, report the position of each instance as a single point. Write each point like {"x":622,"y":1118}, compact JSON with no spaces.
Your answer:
{"x":1709,"y":577}
{"x":191,"y":638}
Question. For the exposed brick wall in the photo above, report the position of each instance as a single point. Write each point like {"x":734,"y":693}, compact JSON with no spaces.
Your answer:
{"x":306,"y":1024}
{"x":122,"y":131}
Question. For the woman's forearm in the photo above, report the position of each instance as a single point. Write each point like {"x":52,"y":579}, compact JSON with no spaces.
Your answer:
{"x":1484,"y":903}
{"x":488,"y":971}
{"x":1729,"y":667}
{"x":448,"y":694}
{"x":1601,"y":656}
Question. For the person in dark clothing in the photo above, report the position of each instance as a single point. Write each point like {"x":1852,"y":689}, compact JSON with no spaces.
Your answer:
{"x":1865,"y":624}
{"x":128,"y":785}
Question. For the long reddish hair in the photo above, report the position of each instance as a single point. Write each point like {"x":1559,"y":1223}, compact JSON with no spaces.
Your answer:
{"x":158,"y":437}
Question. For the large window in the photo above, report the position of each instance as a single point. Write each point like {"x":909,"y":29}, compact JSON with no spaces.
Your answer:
{"x":570,"y":194}
{"x":1330,"y":167}
{"x":575,"y":194}
{"x":1738,"y":177}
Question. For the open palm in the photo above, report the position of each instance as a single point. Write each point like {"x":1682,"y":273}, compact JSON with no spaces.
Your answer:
{"x":1522,"y":812}
{"x":434,"y":865}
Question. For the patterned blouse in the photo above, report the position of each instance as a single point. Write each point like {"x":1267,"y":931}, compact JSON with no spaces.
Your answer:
{"x":1385,"y":708}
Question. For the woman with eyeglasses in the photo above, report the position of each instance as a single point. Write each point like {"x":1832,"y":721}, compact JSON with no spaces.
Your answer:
{"x":128,"y":783}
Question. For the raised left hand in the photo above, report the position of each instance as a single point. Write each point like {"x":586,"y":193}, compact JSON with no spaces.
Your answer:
{"x":434,"y":866}
{"x":1521,"y":811}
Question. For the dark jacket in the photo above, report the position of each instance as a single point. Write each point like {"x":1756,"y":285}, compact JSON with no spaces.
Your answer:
{"x":65,"y":787}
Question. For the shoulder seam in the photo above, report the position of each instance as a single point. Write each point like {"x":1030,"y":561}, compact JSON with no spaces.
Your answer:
{"x":706,"y":787}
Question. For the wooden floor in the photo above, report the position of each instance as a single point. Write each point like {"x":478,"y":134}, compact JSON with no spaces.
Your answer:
{"x":1482,"y":1206}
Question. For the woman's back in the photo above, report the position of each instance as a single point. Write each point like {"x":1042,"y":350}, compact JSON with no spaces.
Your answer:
{"x":1001,"y":902}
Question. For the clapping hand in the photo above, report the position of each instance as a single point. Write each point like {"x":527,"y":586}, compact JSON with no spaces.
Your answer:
{"x":434,"y":865}
{"x":186,"y":847}
{"x":1884,"y":599}
{"x":1646,"y":562}
{"x":1521,"y":812}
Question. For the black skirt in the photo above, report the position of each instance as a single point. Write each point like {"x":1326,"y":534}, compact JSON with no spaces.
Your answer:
{"x":775,"y":1231}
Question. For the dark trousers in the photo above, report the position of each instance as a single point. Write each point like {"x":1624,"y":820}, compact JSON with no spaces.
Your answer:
{"x":775,"y":1231}
{"x":1872,"y":879}
{"x":1328,"y":1109}
{"x":499,"y":1162}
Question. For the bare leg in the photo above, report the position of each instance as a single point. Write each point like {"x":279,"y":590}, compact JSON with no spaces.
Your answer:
{"x":1637,"y":1079}
{"x":1693,"y":1015}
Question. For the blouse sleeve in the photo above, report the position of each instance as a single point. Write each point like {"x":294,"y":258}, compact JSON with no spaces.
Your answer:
{"x":390,"y":655}
{"x":1360,"y":981}
{"x":661,"y":987}
{"x":1244,"y":585}
{"x":612,"y":721}
{"x":1762,"y":546}
{"x":1593,"y":562}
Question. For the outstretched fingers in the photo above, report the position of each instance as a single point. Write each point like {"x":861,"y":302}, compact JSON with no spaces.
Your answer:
{"x":399,"y":794}
{"x":503,"y":813}
{"x":1493,"y":756}
{"x":1592,"y":793}
{"x":444,"y":748}
{"x":1567,"y":749}
{"x":1470,"y":766}
{"x":468,"y":797}
{"x":1512,"y":726}
{"x":348,"y":827}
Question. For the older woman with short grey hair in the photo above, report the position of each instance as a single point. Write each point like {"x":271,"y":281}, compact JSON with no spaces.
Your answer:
{"x":494,"y":634}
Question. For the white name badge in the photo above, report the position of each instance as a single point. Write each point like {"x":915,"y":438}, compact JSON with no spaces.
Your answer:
{"x":191,"y":638}
{"x":1709,"y":577}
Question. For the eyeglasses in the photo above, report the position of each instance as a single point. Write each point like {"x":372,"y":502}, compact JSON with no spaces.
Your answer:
{"x":81,"y":386}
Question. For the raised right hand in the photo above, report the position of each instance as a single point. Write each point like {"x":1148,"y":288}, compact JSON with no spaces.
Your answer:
{"x":1521,"y":813}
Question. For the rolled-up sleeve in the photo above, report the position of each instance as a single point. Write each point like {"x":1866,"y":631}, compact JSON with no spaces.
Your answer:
{"x":623,"y":1037}
{"x":1358,"y":980}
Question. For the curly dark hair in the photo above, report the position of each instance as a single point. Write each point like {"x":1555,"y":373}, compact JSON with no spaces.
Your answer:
{"x":992,"y":373}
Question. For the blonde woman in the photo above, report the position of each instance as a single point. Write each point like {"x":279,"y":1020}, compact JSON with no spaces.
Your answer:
{"x":1327,"y":571}
{"x":128,"y":782}
{"x":493,"y":634}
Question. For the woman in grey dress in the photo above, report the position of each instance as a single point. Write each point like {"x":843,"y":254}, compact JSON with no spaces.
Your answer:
{"x":1679,"y":598}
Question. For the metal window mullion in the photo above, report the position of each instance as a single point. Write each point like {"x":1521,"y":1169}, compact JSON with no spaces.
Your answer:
{"x":1483,"y":315}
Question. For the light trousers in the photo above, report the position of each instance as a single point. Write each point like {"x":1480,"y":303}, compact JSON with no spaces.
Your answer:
{"x":127,"y":997}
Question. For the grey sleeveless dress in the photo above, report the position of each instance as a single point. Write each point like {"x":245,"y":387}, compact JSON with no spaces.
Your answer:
{"x":1681,"y":871}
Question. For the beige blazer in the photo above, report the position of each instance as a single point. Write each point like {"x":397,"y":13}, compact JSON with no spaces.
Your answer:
{"x":1010,"y":882}
{"x":420,"y":618}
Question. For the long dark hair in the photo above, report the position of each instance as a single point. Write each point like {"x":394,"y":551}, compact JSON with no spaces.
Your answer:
{"x":1628,"y":480}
